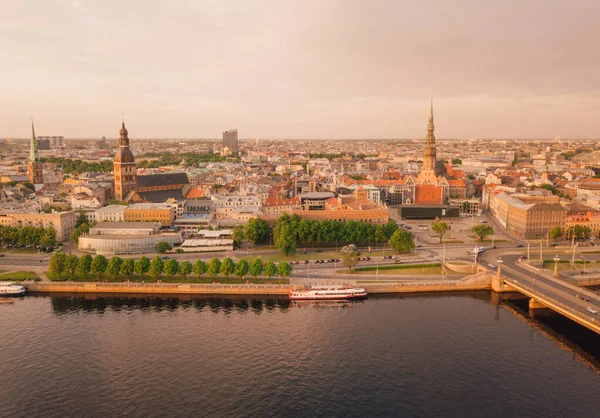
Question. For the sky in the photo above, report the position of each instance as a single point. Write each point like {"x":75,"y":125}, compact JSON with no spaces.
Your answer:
{"x":323,"y":69}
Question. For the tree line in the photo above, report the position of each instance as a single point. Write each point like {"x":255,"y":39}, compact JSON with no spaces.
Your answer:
{"x":114,"y":267}
{"x":80,"y":166}
{"x":289,"y":231}
{"x":38,"y":237}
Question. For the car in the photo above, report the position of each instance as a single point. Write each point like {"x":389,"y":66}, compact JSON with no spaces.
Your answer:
{"x":1,"y":255}
{"x":305,"y":261}
{"x":490,"y":265}
{"x":520,"y":246}
{"x":368,"y":258}
{"x":493,"y":247}
{"x":584,"y":298}
{"x":397,"y":261}
{"x":419,"y":246}
{"x":165,"y":257}
{"x":592,"y":310}
{"x":319,"y":250}
{"x":482,"y":222}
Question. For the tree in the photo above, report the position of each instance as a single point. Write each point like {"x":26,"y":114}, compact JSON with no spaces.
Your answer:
{"x":285,"y":239}
{"x":127,"y":268}
{"x":270,"y":269}
{"x":482,"y":231}
{"x":57,"y":264}
{"x":256,"y":267}
{"x":256,"y":230}
{"x":113,"y":268}
{"x":379,"y":235}
{"x":81,"y":230}
{"x":390,"y":228}
{"x":142,"y":266}
{"x":162,"y":247}
{"x":214,"y":266}
{"x":582,"y":232}
{"x":456,"y":161}
{"x":199,"y":268}
{"x":82,"y":219}
{"x":284,"y":269}
{"x":99,"y":264}
{"x":556,"y":233}
{"x":171,"y":267}
{"x":48,"y":239}
{"x":238,"y":235}
{"x":227,"y":267}
{"x":402,"y":241}
{"x":84,"y":266}
{"x":350,"y":259}
{"x":440,"y":228}
{"x":185,"y":268}
{"x":71,"y":264}
{"x":241,"y":269}
{"x":156,"y":267}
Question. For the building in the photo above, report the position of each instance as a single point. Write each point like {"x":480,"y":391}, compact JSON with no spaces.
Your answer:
{"x":158,"y":188}
{"x":111,"y":213}
{"x":62,"y":222}
{"x":196,"y":215}
{"x":125,"y":170}
{"x":210,"y":241}
{"x":427,"y":174}
{"x":150,"y":212}
{"x":34,"y":168}
{"x":230,"y":140}
{"x":115,"y":238}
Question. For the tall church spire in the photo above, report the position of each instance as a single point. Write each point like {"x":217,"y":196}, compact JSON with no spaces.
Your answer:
{"x":34,"y":153}
{"x":430,"y":135}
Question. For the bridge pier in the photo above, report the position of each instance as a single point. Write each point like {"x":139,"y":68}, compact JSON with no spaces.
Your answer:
{"x":499,"y":286}
{"x":536,"y":304}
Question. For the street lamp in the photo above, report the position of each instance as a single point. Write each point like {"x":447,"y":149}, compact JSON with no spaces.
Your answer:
{"x":556,"y":261}
{"x":499,"y":261}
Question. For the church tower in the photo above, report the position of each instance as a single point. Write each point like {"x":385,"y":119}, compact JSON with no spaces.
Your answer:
{"x":125,"y":171}
{"x":34,"y":168}
{"x":427,"y":174}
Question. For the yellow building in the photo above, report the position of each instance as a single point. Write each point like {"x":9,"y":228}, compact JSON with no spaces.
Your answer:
{"x":62,"y":222}
{"x":150,"y":212}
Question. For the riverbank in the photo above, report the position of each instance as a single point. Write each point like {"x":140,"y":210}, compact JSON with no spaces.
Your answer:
{"x":481,"y":281}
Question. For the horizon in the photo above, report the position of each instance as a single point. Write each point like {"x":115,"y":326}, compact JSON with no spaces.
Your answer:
{"x":302,"y":69}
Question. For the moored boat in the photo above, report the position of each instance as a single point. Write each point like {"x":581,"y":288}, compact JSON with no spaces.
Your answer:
{"x":12,"y":289}
{"x":328,"y":293}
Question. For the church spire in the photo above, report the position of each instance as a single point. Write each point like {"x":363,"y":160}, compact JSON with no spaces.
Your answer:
{"x":34,"y":154}
{"x":430,"y":135}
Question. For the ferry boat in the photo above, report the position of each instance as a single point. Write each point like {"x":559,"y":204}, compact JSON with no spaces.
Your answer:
{"x":12,"y":289}
{"x":328,"y":293}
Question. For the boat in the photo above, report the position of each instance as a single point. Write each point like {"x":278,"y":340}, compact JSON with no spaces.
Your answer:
{"x":328,"y":293}
{"x":12,"y":289}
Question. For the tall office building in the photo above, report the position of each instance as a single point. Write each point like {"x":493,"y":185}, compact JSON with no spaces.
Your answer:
{"x":230,"y":140}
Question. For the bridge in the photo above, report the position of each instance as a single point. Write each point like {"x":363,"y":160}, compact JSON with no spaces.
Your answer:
{"x":546,"y":291}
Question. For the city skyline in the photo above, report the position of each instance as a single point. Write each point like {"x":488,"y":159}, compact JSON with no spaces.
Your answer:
{"x":301,"y":70}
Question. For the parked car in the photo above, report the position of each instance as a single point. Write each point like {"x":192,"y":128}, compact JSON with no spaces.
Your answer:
{"x":305,"y":261}
{"x":319,"y":250}
{"x":165,"y":257}
{"x":520,"y":246}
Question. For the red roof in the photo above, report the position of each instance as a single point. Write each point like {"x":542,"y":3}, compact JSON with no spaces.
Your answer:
{"x":428,"y":194}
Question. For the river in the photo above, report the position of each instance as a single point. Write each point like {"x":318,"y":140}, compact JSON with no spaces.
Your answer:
{"x":420,"y":355}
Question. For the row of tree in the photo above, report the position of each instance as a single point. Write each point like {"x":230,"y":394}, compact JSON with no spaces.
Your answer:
{"x":28,"y":236}
{"x":289,"y":231}
{"x":116,"y":266}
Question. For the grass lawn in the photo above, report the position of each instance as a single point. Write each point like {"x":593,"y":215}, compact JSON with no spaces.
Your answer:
{"x":310,"y":255}
{"x":399,"y":270}
{"x":19,"y":276}
{"x":165,"y":279}
{"x":566,"y":264}
{"x":454,"y":241}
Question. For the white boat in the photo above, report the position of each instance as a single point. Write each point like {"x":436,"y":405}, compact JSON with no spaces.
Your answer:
{"x":12,"y":289}
{"x":328,"y":293}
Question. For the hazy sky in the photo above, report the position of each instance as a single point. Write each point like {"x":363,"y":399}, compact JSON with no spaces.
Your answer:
{"x":300,"y":68}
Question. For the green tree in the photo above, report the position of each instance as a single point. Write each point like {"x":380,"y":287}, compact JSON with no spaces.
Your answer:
{"x":142,"y":266}
{"x":402,"y":241}
{"x":238,"y":235}
{"x":456,"y":161}
{"x":57,"y":264}
{"x":48,"y":239}
{"x":71,"y":264}
{"x":256,"y":267}
{"x":482,"y":231}
{"x":379,"y":235}
{"x":284,"y":269}
{"x":84,"y":266}
{"x":82,"y":219}
{"x":582,"y":232}
{"x":390,"y":227}
{"x":200,"y":268}
{"x":214,"y":267}
{"x":81,"y":230}
{"x":256,"y":230}
{"x":185,"y":268}
{"x":285,"y":240}
{"x":99,"y":264}
{"x":350,"y":260}
{"x":227,"y":267}
{"x":556,"y":233}
{"x":241,"y":268}
{"x":162,"y":247}
{"x":270,"y":269}
{"x":127,"y":268}
{"x":440,"y":228}
{"x":113,"y":268}
{"x":171,"y":267}
{"x":156,"y":268}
